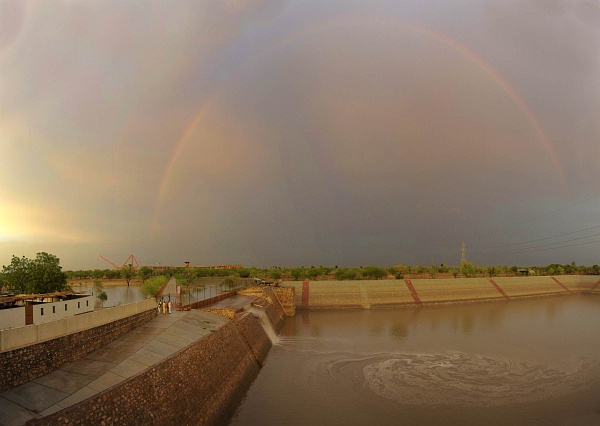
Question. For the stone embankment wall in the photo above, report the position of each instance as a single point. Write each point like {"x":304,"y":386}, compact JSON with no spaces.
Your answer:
{"x":202,"y":384}
{"x":390,"y":293}
{"x":275,"y":309}
{"x":254,"y":335}
{"x":26,"y":363}
{"x":286,"y":299}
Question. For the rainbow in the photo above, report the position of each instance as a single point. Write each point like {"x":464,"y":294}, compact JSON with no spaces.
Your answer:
{"x":179,"y":146}
{"x":508,"y":89}
{"x":381,"y":22}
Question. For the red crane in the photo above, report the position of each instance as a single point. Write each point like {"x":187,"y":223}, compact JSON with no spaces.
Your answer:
{"x":131,"y":260}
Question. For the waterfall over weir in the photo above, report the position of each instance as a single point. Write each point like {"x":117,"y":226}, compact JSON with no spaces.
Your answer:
{"x":266,"y":323}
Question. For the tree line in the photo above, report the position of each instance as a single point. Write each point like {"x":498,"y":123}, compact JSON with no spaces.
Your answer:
{"x":401,"y":271}
{"x":145,"y":272}
{"x":44,"y":273}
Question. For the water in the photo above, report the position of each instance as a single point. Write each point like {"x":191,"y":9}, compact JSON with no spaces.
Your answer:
{"x":120,"y":295}
{"x":266,"y":323}
{"x":117,"y":295}
{"x":522,"y":362}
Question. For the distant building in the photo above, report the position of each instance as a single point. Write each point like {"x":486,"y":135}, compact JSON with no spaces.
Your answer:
{"x":21,"y":310}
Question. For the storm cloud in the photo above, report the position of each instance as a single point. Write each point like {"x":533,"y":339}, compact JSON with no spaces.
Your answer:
{"x":300,"y":133}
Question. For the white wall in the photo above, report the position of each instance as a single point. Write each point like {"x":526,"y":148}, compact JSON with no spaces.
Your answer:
{"x":52,"y":311}
{"x":35,"y":333}
{"x":10,"y":318}
{"x":46,"y":312}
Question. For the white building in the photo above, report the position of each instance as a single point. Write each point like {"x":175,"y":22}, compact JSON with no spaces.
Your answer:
{"x":17,"y":311}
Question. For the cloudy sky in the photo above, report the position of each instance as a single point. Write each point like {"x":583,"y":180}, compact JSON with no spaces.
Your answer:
{"x":298,"y":133}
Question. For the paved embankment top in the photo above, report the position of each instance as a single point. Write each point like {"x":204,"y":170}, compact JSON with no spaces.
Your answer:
{"x":236,"y":303}
{"x":138,"y":350}
{"x":382,"y":293}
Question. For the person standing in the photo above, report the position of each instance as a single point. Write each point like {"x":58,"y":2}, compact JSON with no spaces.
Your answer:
{"x":169,"y":304}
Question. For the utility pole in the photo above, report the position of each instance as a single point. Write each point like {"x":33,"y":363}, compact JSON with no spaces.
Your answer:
{"x":463,"y":257}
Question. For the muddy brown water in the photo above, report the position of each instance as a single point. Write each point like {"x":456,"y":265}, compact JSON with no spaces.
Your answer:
{"x":520,"y":362}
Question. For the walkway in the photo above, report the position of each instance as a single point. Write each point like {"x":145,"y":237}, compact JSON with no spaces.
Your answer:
{"x":194,"y":294}
{"x":139,"y":349}
{"x":170,"y":290}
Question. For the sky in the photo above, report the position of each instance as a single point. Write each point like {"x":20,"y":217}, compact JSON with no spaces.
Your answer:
{"x":300,"y":133}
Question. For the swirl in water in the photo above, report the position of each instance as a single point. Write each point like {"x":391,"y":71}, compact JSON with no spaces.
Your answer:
{"x":458,"y":378}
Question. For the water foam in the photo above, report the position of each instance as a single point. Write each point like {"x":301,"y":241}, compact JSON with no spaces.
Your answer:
{"x":459,"y":378}
{"x":266,"y":323}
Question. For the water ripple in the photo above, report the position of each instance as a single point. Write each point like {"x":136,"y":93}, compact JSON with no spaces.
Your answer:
{"x":459,"y":378}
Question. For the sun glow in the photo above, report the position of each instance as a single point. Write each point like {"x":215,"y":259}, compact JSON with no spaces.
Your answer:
{"x":22,"y":223}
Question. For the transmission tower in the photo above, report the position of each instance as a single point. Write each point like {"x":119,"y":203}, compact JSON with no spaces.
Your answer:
{"x":463,"y":257}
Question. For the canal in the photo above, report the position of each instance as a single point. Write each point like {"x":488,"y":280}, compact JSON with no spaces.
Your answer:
{"x":519,"y":362}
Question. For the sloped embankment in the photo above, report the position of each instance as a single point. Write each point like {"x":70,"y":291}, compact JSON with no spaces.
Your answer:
{"x":390,"y":293}
{"x":201,"y":384}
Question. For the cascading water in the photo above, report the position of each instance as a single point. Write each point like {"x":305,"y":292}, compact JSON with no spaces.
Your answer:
{"x":266,"y":323}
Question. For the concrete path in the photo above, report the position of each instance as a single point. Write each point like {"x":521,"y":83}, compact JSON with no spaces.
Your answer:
{"x":235,"y":303}
{"x":139,"y":349}
{"x":170,"y":290}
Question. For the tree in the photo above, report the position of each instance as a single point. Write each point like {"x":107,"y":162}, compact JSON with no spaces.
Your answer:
{"x":98,"y":287}
{"x":433,"y":271}
{"x":144,"y":273}
{"x":40,"y":275}
{"x":127,"y":273}
{"x":312,"y":273}
{"x":103,"y":297}
{"x":344,"y":274}
{"x":46,"y":274}
{"x":112,"y":273}
{"x":275,"y":274}
{"x":467,"y":269}
{"x":16,"y":275}
{"x":374,"y":272}
{"x":297,"y":273}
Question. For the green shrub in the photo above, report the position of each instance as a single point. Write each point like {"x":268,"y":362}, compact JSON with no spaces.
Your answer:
{"x":151,"y":286}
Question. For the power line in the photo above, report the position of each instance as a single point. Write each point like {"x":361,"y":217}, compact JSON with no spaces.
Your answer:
{"x":546,"y":214}
{"x":551,"y":248}
{"x":541,"y":239}
{"x":534,"y":248}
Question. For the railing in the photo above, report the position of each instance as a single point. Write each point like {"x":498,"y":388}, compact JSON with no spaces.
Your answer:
{"x":208,"y":295}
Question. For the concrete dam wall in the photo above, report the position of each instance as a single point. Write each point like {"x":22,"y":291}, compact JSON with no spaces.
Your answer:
{"x":392,"y":293}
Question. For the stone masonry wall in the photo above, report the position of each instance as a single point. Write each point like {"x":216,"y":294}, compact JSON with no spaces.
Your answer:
{"x":286,"y":298}
{"x":276,"y":319}
{"x":24,"y":364}
{"x":275,"y":309}
{"x":201,"y":384}
{"x":254,"y":335}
